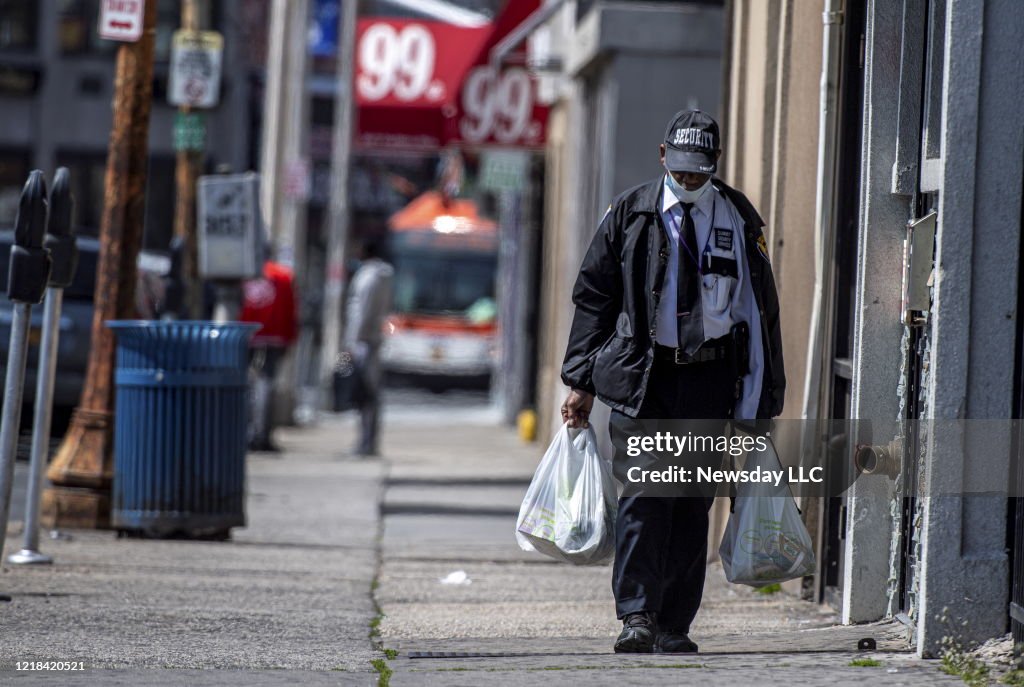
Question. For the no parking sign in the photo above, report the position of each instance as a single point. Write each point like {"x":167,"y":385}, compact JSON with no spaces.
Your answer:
{"x":196,"y":58}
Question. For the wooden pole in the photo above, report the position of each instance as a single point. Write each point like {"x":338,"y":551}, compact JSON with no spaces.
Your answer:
{"x":82,"y":470}
{"x":189,"y":165}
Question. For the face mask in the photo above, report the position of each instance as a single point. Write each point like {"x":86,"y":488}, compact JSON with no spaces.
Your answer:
{"x":683,"y":194}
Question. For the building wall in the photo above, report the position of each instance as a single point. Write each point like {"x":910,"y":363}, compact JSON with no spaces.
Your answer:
{"x":770,"y":144}
{"x":975,"y":179}
{"x":630,"y":68}
{"x":69,"y":116}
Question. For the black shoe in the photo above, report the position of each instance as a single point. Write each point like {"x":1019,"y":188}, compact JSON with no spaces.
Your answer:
{"x":669,"y":642}
{"x":637,"y":636}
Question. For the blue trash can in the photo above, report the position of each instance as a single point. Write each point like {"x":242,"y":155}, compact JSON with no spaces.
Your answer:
{"x":180,"y":427}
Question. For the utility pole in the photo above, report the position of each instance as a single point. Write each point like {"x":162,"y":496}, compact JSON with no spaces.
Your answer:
{"x":340,"y":209}
{"x":285,"y":172}
{"x":285,"y":130}
{"x":189,"y":165}
{"x":82,"y":470}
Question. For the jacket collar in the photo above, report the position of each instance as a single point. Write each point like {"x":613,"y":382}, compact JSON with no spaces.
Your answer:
{"x":648,"y":195}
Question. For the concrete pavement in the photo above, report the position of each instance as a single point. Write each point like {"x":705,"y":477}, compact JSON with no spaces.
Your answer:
{"x":453,"y":490}
{"x":293,"y":598}
{"x":287,"y":601}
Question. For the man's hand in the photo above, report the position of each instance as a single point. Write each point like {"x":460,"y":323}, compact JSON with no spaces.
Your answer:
{"x":576,"y":408}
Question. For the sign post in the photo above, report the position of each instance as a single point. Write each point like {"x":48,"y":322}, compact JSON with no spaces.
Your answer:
{"x":196,"y":58}
{"x":82,"y":471}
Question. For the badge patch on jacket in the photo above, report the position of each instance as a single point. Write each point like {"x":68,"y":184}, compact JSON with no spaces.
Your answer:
{"x":723,"y":238}
{"x":762,"y":247}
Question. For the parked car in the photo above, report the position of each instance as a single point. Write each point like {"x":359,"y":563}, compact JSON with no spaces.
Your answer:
{"x":75,"y":321}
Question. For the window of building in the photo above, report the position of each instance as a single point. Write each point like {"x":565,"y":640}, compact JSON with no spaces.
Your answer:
{"x":19,"y":24}
{"x":88,"y":170}
{"x":77,"y":20}
{"x":14,"y":168}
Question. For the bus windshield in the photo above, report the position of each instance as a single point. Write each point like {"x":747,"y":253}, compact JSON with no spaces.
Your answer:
{"x":443,"y":282}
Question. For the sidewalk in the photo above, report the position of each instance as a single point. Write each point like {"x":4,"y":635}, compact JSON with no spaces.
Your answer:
{"x":449,"y":507}
{"x":332,"y":541}
{"x":287,"y":601}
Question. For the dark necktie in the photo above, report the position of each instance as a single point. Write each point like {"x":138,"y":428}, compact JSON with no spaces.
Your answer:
{"x":688,"y":307}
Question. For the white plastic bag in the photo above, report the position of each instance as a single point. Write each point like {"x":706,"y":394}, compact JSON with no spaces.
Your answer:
{"x":569,"y":509}
{"x":765,"y":540}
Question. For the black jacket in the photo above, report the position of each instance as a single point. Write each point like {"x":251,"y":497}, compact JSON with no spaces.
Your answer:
{"x":611,"y":344}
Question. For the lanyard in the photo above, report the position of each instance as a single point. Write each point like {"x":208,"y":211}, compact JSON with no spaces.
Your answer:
{"x":711,"y":230}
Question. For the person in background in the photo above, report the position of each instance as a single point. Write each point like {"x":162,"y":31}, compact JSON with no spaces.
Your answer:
{"x":369,"y":302}
{"x":269,"y":301}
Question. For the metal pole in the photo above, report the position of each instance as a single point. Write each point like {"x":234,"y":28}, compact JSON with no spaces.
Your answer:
{"x":26,"y":282}
{"x":340,"y":210}
{"x":188,"y":167}
{"x":41,"y":430}
{"x":60,"y":242}
{"x":228,"y":305}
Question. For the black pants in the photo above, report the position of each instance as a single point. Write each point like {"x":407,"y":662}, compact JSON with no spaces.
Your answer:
{"x":661,"y":542}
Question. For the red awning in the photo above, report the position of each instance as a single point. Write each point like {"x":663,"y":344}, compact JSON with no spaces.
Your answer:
{"x":422,"y":85}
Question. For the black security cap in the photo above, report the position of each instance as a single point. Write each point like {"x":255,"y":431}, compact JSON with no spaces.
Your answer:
{"x":692,"y":143}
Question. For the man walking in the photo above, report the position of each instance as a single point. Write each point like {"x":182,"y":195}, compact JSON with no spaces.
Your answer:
{"x":369,"y":302}
{"x":676,"y":318}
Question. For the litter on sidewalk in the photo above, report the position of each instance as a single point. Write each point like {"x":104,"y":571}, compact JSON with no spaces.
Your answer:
{"x":456,"y":577}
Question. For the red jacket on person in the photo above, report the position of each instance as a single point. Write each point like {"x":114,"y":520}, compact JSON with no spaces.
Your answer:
{"x":270,"y":301}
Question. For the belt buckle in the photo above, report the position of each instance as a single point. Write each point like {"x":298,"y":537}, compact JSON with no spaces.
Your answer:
{"x":677,"y":354}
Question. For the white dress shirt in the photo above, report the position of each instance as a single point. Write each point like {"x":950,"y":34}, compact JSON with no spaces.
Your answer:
{"x":724,"y":300}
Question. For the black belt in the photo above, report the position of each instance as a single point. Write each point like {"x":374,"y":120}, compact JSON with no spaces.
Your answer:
{"x":722,"y":348}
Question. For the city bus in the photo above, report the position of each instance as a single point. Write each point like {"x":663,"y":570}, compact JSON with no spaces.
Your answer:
{"x":443,"y":323}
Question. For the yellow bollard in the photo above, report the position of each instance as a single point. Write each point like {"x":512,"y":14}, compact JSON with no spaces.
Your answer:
{"x":526,"y":422}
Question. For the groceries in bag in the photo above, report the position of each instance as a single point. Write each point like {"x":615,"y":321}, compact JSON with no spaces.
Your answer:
{"x":765,"y":540}
{"x":569,"y":509}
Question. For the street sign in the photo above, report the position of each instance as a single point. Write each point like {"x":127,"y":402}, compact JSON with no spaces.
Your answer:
{"x":121,"y":20}
{"x":189,"y":131}
{"x":196,"y":58}
{"x":504,"y":170}
{"x":229,"y":227}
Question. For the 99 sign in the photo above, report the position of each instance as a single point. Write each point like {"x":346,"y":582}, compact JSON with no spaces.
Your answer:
{"x":498,"y":105}
{"x":399,"y":62}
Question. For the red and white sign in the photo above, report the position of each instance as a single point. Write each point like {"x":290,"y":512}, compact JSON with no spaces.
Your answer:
{"x":500,"y":108}
{"x":122,"y":20}
{"x":413,"y":64}
{"x":424,"y":85}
